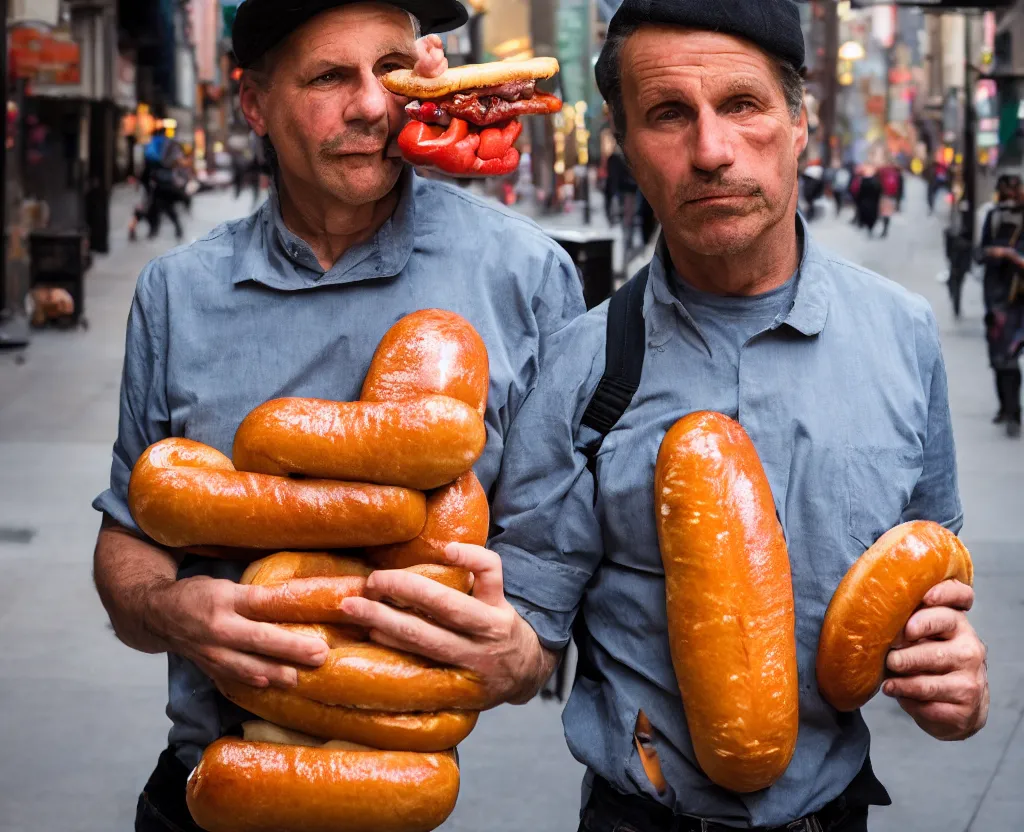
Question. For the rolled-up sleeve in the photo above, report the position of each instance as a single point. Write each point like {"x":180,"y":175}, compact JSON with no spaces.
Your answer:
{"x":545,"y":526}
{"x":144,"y":417}
{"x":937,"y":494}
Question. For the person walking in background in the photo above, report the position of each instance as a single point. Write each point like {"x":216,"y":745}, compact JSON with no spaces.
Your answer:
{"x":890,"y":179}
{"x":1003,"y":291}
{"x":936,"y":177}
{"x":869,"y":198}
{"x":856,"y":177}
{"x":841,"y":178}
{"x":622,"y":185}
{"x":813,"y":183}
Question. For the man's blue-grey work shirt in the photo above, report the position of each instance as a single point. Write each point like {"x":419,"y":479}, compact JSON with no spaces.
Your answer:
{"x":247,"y":315}
{"x":844,"y":396}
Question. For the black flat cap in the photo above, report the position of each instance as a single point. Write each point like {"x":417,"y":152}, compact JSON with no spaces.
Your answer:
{"x":260,"y":25}
{"x":774,"y":25}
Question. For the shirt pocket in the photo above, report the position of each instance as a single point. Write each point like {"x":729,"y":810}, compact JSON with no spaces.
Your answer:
{"x":880,"y":481}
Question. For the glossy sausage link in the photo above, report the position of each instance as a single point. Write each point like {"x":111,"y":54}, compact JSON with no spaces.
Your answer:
{"x":875,"y":600}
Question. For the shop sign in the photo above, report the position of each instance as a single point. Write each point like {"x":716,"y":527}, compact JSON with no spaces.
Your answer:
{"x":44,"y":57}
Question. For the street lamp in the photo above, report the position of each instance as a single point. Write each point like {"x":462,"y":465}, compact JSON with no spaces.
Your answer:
{"x":852,"y":51}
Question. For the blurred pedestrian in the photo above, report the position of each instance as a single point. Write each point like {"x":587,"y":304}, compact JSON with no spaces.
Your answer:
{"x":813,"y":183}
{"x":1002,"y":241}
{"x":890,"y":179}
{"x":936,"y":178}
{"x":869,"y":199}
{"x":621,"y":190}
{"x":841,"y":177}
{"x":856,"y":177}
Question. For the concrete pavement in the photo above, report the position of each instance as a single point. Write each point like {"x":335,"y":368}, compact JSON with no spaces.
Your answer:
{"x":82,"y":722}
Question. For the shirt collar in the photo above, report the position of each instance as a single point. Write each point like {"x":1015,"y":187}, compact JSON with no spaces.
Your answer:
{"x":810,"y":308}
{"x":280,"y":259}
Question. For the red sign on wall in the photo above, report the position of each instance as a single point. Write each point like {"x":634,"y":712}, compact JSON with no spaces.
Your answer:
{"x":43,"y":57}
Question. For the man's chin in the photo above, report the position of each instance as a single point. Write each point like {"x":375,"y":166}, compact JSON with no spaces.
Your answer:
{"x":720,"y":231}
{"x":362,"y":184}
{"x":721,"y":239}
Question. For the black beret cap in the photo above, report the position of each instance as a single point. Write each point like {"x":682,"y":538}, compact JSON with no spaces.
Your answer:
{"x":260,"y":25}
{"x":774,"y":25}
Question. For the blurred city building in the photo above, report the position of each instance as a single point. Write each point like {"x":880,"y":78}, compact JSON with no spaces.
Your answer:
{"x":923,"y":83}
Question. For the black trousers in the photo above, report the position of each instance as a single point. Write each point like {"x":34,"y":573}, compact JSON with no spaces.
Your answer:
{"x":162,"y":805}
{"x":610,"y":811}
{"x":1008,"y":387}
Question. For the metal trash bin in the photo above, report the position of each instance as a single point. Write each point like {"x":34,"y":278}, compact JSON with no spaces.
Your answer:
{"x":59,"y":260}
{"x":591,"y":251}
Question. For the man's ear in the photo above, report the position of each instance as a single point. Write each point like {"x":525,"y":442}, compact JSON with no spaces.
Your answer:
{"x":801,"y":138}
{"x":252,"y":100}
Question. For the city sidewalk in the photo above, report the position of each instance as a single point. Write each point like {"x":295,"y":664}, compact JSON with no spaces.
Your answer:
{"x":84,"y":717}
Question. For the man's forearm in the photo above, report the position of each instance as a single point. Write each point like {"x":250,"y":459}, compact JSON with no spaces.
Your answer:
{"x":539,"y":665}
{"x":127,"y":571}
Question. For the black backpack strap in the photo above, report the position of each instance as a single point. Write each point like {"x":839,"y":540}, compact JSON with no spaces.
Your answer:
{"x":624,"y":361}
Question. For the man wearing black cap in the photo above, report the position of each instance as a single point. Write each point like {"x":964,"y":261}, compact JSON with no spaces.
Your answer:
{"x":835,"y":373}
{"x":292,"y":301}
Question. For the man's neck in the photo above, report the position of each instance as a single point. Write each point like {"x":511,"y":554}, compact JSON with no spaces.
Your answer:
{"x":330,"y":227}
{"x":767,"y":264}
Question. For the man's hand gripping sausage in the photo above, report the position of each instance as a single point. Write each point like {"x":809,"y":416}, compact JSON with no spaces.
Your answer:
{"x":207,"y":620}
{"x":938,"y":666}
{"x":480,"y":633}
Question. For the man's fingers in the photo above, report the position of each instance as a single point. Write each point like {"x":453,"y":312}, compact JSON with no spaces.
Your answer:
{"x":447,"y":606}
{"x":262,"y":639}
{"x":430,"y":59}
{"x":953,"y":689}
{"x":936,"y":657}
{"x":952,"y":594}
{"x":404,"y":631}
{"x":489,"y":585}
{"x":932,"y":622}
{"x":222,"y":663}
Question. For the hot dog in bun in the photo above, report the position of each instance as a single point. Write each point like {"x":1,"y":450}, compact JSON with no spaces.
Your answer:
{"x":465,"y":121}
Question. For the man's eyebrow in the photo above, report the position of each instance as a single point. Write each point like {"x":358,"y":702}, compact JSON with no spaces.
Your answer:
{"x":397,"y":50}
{"x":745,"y":85}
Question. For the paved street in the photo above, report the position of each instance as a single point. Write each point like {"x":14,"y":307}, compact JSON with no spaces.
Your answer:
{"x":82,"y":715}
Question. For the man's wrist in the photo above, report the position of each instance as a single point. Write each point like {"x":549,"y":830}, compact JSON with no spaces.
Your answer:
{"x":152,"y":611}
{"x":538,"y":663}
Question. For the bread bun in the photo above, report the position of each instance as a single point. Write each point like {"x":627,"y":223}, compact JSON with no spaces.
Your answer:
{"x":469,"y":77}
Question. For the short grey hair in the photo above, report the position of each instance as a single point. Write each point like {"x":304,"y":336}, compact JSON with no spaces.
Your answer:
{"x":609,"y":81}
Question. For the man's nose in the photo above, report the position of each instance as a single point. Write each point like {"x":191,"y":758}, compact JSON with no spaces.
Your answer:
{"x":369,"y":101}
{"x":712,"y":142}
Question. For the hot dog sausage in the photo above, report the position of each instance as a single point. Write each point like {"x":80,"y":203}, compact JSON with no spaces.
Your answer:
{"x":423,"y":443}
{"x":244,"y":786}
{"x":457,"y":513}
{"x":875,"y":600}
{"x":430,"y":352}
{"x":730,"y":601}
{"x":436,"y":731}
{"x":358,"y":674}
{"x":183,"y":493}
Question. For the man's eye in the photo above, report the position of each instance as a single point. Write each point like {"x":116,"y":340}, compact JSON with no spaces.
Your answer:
{"x":326,"y":78}
{"x":391,"y":67}
{"x":668,"y":114}
{"x":741,"y":107}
